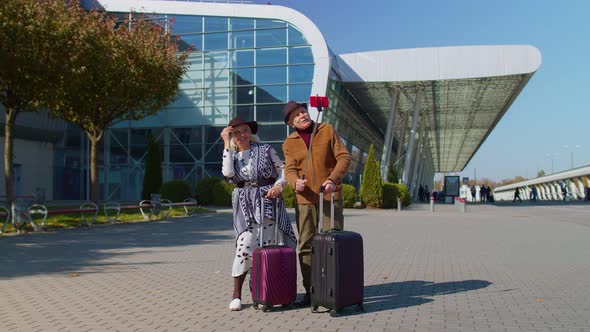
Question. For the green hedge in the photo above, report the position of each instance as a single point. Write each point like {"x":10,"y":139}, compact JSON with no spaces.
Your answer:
{"x":348,"y":195}
{"x":222,"y":193}
{"x":204,"y":191}
{"x":405,"y":193}
{"x":214,"y":191}
{"x":391,"y":191}
{"x":390,"y":195}
{"x":176,"y":190}
{"x":289,"y":196}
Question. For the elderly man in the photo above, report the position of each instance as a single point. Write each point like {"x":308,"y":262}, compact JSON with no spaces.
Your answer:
{"x":326,"y":165}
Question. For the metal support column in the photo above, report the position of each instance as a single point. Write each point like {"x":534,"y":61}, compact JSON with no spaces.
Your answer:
{"x":410,"y":149}
{"x":388,"y":141}
{"x":400,"y":148}
{"x":417,"y":165}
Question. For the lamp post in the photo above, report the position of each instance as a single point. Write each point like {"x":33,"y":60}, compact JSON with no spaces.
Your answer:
{"x":550,"y":156}
{"x":572,"y":154}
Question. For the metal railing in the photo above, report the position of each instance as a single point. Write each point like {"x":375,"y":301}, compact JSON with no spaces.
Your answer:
{"x":36,"y":214}
{"x":569,"y":185}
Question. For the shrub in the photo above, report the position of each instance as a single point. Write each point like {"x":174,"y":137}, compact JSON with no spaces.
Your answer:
{"x":152,"y":178}
{"x":204,"y":190}
{"x":404,"y":193}
{"x":392,"y":175}
{"x":348,"y":195}
{"x":390,"y":195}
{"x":222,"y":192}
{"x":176,"y":190}
{"x":371,"y":190}
{"x":289,"y":196}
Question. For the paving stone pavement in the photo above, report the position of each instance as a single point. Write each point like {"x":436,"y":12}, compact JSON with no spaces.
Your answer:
{"x":509,"y":268}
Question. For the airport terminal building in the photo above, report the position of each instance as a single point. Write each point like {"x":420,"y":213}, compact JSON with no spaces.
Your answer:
{"x":425,"y":110}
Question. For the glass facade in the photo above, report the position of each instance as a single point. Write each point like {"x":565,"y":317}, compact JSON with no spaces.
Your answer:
{"x":348,"y":118}
{"x":238,"y":67}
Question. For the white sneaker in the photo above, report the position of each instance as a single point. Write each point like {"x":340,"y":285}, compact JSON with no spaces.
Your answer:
{"x":235,"y":305}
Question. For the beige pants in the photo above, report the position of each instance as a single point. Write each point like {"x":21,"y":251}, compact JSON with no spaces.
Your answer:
{"x":307,"y":225}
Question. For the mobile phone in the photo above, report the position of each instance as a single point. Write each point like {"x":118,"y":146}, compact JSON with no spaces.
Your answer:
{"x":318,"y":101}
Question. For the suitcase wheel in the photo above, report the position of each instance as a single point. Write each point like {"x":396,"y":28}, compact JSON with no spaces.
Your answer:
{"x":314,"y":308}
{"x":360,"y":308}
{"x":266,"y":308}
{"x":334,"y":313}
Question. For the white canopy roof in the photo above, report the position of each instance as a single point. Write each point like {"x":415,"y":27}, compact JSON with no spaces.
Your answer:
{"x":466,"y":91}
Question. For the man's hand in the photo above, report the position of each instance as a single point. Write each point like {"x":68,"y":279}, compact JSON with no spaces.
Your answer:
{"x":300,"y":185}
{"x":329,"y":186}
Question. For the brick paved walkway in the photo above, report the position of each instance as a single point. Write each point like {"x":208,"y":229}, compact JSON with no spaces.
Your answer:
{"x":510,"y":268}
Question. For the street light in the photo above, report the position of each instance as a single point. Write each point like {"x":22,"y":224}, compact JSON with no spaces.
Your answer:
{"x":572,"y":154}
{"x":552,"y":157}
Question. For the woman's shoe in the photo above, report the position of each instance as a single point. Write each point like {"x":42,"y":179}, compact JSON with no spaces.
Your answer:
{"x":235,"y":305}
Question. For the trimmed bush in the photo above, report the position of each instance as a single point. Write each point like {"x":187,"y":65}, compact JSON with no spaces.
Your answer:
{"x":348,"y":195}
{"x":214,"y":191}
{"x":392,"y":176}
{"x":289,"y":196}
{"x":371,"y":190}
{"x":176,"y":190}
{"x":204,"y":190}
{"x":404,"y":193}
{"x":152,"y":178}
{"x":390,"y":195}
{"x":222,"y":193}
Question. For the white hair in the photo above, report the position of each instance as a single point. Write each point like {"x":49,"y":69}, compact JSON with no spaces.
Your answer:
{"x":234,"y":147}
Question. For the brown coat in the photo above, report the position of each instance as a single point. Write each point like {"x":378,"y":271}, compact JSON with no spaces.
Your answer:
{"x":329,"y":159}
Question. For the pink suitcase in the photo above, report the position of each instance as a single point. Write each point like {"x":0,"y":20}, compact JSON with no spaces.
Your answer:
{"x":274,"y":275}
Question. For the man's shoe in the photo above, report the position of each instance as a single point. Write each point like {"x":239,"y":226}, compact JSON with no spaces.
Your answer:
{"x":306,"y":302}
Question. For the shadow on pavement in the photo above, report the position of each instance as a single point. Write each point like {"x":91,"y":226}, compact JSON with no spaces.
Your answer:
{"x":87,"y":248}
{"x":405,"y":294}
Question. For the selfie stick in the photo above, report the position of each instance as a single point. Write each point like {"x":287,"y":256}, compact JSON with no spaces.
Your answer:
{"x":315,"y":126}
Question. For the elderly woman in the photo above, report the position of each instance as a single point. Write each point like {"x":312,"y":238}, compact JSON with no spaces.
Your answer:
{"x":256,"y":169}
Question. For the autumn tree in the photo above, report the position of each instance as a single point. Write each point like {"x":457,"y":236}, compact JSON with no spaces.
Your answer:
{"x":34,"y":37}
{"x":121,"y":71}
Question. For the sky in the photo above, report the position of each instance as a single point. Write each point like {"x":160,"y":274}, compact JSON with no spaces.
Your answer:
{"x":550,"y":120}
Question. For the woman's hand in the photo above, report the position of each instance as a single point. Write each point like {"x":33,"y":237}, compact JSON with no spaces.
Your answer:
{"x":274,"y":192}
{"x":226,"y":135}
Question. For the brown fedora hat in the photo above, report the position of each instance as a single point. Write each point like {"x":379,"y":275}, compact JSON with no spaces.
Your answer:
{"x":290,"y":107}
{"x":238,"y":121}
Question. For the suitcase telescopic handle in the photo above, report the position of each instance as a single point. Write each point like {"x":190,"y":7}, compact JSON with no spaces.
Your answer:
{"x":276,"y":200}
{"x":321,"y":210}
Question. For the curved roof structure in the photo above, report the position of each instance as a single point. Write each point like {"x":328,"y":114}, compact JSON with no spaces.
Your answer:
{"x":465,"y":91}
{"x":311,"y":32}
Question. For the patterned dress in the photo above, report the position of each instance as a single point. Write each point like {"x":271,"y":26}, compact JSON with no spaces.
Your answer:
{"x":259,"y":164}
